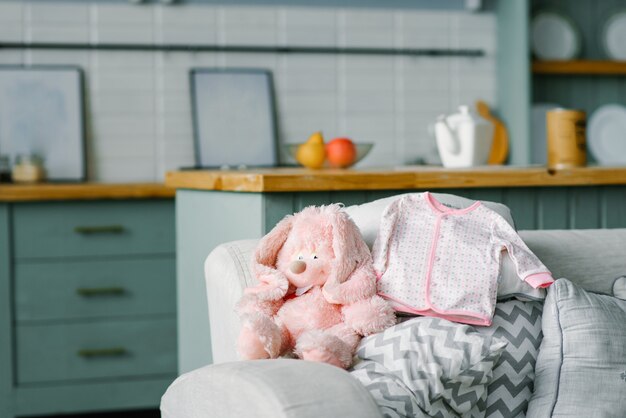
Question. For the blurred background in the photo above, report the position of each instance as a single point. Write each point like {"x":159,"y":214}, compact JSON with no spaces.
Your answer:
{"x":378,"y":72}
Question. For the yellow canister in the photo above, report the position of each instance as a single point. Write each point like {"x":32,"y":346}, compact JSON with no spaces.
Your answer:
{"x":566,"y":138}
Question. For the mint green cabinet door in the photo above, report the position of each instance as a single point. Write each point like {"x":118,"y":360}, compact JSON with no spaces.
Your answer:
{"x":94,"y":289}
{"x":76,"y":229}
{"x":96,"y":350}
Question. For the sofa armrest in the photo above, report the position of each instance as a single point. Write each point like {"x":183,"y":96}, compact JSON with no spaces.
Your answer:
{"x":281,"y":388}
{"x":227,"y":272}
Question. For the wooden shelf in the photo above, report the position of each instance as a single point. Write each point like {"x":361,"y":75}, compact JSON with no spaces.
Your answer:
{"x":416,"y":177}
{"x":83,"y":191}
{"x":580,"y":67}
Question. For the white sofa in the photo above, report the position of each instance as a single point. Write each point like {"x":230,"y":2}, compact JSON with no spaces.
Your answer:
{"x":592,"y":259}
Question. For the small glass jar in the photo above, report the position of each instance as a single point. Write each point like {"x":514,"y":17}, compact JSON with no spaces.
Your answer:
{"x":5,"y":169}
{"x":28,"y":168}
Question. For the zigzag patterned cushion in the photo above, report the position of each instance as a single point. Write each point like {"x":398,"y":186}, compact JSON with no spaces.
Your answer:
{"x":428,"y":367}
{"x":518,"y":323}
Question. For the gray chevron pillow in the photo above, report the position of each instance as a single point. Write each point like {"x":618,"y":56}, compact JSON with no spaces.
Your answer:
{"x":511,"y":386}
{"x":428,"y":367}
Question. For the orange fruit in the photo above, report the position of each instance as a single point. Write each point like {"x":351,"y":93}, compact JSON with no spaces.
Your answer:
{"x":341,"y":152}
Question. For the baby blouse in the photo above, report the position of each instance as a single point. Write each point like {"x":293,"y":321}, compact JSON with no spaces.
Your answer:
{"x":439,"y":261}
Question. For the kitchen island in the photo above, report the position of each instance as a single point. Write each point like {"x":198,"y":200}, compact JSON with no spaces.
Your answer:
{"x":213,"y":207}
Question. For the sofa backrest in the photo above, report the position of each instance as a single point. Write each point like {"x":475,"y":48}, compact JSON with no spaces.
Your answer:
{"x":591,"y":258}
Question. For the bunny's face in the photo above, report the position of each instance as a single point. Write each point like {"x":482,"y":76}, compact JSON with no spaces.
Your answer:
{"x":306,"y":257}
{"x":320,"y":245}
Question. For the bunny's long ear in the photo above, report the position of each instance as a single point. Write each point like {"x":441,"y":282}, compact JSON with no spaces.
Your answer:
{"x":347,"y":256}
{"x":352,"y":276}
{"x":273,"y":285}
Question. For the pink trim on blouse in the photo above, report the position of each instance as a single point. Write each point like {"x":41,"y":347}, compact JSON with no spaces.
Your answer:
{"x":458,"y":316}
{"x":541,"y":280}
{"x":439,"y":207}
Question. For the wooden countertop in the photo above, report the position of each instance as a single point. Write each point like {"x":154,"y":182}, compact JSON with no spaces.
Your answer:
{"x":83,"y":191}
{"x":410,"y":177}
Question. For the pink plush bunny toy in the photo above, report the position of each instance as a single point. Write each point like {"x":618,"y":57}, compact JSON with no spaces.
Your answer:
{"x":316,"y":295}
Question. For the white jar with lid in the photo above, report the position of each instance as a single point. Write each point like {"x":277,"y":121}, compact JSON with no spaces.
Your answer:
{"x":28,"y":168}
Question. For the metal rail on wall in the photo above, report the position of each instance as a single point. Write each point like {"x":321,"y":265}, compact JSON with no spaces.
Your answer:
{"x":429,"y":52}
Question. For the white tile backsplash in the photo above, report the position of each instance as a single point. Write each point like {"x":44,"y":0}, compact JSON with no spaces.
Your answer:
{"x":205,"y":16}
{"x":42,"y":13}
{"x":57,"y":33}
{"x":124,"y":61}
{"x":131,"y":146}
{"x":11,"y":32}
{"x":111,"y":103}
{"x":248,"y":60}
{"x":177,"y":126}
{"x":306,"y":103}
{"x":11,"y":12}
{"x":45,"y":57}
{"x":120,"y":14}
{"x":139,"y":105}
{"x":130,"y":169}
{"x":186,"y":34}
{"x":248,"y":25}
{"x":308,"y":27}
{"x":124,"y":34}
{"x":125,"y":84}
{"x":107,"y":127}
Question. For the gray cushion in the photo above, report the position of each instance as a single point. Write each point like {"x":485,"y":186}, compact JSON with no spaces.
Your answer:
{"x":519,"y":324}
{"x":279,"y":388}
{"x":581,"y":368}
{"x":428,"y":367}
{"x":619,"y":287}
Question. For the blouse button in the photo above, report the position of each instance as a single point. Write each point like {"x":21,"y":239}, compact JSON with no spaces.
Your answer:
{"x":437,"y":258}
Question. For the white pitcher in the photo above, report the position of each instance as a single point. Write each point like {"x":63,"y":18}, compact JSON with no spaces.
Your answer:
{"x":464,"y":139}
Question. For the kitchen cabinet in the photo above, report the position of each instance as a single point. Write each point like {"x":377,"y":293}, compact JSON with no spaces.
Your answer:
{"x":87,"y":299}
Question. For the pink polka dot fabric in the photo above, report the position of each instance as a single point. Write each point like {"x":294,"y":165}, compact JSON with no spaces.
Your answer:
{"x":438,"y":261}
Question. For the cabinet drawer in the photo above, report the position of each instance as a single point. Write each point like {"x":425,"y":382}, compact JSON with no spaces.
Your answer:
{"x":96,"y":350}
{"x":87,"y":289}
{"x":67,"y":229}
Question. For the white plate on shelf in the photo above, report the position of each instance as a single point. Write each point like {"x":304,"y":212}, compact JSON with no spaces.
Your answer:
{"x":614,"y":36}
{"x":606,"y":134}
{"x":554,"y":37}
{"x":539,"y":150}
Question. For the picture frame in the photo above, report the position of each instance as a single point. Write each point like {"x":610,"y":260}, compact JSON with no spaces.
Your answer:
{"x":42,"y":112}
{"x":234,"y":118}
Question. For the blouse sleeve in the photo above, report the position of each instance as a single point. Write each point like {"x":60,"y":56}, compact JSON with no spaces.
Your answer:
{"x":529,"y":267}
{"x":380,"y":249}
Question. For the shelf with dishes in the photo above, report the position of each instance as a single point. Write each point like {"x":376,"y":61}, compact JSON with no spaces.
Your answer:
{"x":565,"y":34}
{"x":580,"y":67}
{"x":580,"y":64}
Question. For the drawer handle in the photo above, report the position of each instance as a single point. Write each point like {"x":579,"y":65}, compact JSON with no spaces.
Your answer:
{"x":100,"y":291}
{"x":104,"y":229}
{"x":102,"y":352}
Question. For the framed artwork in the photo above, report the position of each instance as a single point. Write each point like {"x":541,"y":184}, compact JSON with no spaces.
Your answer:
{"x":42,"y":113}
{"x":234,"y":117}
